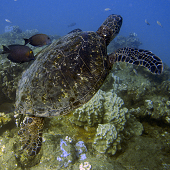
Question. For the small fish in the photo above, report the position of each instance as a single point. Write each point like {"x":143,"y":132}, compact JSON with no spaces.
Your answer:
{"x":107,"y":9}
{"x":7,"y":20}
{"x":159,"y":24}
{"x":38,"y":40}
{"x":72,"y":24}
{"x":18,"y":53}
{"x":147,"y":22}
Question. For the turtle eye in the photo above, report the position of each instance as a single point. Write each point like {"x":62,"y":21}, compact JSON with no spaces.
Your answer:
{"x":28,"y":120}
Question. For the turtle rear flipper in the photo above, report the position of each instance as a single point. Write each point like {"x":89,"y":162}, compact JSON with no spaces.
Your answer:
{"x":31,"y":134}
{"x":138,"y":57}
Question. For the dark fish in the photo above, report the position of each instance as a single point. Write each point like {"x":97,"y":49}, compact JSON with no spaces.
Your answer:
{"x":146,"y":21}
{"x":38,"y":40}
{"x":18,"y":53}
{"x":75,"y":30}
{"x":72,"y":24}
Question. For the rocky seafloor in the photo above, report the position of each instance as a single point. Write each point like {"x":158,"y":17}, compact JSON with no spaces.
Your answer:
{"x":126,"y":125}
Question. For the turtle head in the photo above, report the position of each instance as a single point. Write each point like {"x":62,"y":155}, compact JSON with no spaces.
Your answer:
{"x":110,"y":28}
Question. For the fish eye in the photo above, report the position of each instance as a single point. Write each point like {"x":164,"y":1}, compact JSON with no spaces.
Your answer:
{"x":30,"y":52}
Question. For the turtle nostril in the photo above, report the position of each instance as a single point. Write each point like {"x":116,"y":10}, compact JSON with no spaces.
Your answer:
{"x":30,"y":120}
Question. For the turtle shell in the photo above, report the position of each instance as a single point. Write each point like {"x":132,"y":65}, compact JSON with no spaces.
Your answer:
{"x":64,"y":76}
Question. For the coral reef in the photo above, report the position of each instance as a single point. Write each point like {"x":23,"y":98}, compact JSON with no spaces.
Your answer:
{"x":56,"y":146}
{"x":90,"y":113}
{"x":16,"y":36}
{"x":113,"y":111}
{"x":8,"y":28}
{"x":131,"y":41}
{"x":67,"y":152}
{"x":13,"y":29}
{"x":140,"y":93}
{"x":157,"y":108}
{"x":135,"y":85}
{"x":144,"y":153}
{"x":6,"y":116}
{"x":104,"y":138}
{"x":104,"y":107}
{"x":85,"y":166}
{"x":81,"y":150}
{"x":11,"y":72}
{"x":132,"y":127}
{"x":4,"y":119}
{"x":123,"y":115}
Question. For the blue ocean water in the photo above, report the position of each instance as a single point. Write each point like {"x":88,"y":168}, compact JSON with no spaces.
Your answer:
{"x":54,"y":16}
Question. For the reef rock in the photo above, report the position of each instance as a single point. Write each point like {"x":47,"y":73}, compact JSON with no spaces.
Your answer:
{"x":10,"y":73}
{"x":14,"y":29}
{"x":130,"y":41}
{"x":157,"y":108}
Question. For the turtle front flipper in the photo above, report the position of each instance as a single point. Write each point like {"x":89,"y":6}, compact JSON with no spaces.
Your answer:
{"x":31,"y":134}
{"x":138,"y":57}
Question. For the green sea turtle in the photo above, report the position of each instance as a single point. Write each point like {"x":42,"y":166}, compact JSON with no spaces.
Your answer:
{"x":68,"y":73}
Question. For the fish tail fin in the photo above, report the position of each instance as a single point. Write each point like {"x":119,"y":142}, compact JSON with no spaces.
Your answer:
{"x":26,"y":41}
{"x":5,"y":50}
